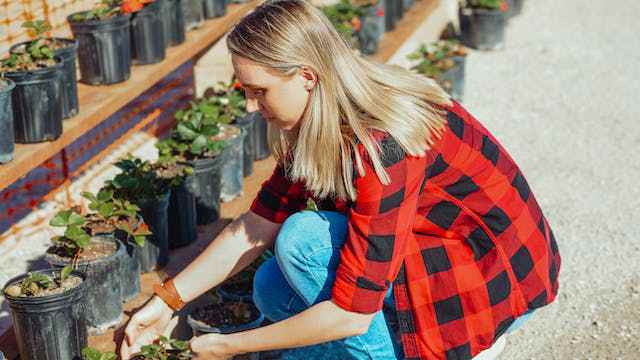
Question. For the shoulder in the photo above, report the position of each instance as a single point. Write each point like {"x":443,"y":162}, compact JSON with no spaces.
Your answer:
{"x":390,"y":150}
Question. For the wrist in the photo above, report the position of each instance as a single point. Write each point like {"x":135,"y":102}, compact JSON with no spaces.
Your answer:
{"x":169,"y":295}
{"x":234,"y":343}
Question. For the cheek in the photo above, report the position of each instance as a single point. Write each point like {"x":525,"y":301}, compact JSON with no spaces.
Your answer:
{"x":292,"y":102}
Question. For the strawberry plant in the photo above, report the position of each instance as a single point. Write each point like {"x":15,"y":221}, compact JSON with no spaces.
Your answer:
{"x":89,"y":353}
{"x":437,"y":57}
{"x":165,"y":349}
{"x":75,"y":238}
{"x":138,"y":182}
{"x":36,"y":54}
{"x":345,"y":17}
{"x":35,"y":283}
{"x":487,"y":4}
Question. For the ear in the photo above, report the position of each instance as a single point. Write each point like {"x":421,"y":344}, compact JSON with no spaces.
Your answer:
{"x":309,"y":77}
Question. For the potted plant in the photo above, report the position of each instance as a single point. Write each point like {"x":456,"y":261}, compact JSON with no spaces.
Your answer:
{"x":182,"y":203}
{"x":482,"y":23}
{"x":515,"y":7}
{"x":214,"y":8}
{"x":98,"y":258}
{"x":37,"y":75}
{"x":372,"y":26}
{"x":224,"y":317}
{"x":140,"y":183}
{"x":7,"y":137}
{"x":443,"y":61}
{"x":345,"y":17}
{"x":65,"y":49}
{"x":119,"y":218}
{"x":104,"y":43}
{"x":193,"y":13}
{"x":89,"y":353}
{"x":47,"y":309}
{"x":194,"y":140}
{"x":147,"y":36}
{"x":173,"y":27}
{"x":162,"y":349}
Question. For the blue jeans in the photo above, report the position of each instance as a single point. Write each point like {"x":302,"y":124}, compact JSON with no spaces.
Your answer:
{"x":302,"y":273}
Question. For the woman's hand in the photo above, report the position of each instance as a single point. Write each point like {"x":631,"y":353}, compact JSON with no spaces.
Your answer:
{"x":212,"y":347}
{"x":146,"y":325}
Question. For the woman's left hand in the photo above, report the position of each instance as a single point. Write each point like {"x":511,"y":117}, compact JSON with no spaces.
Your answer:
{"x":211,"y":347}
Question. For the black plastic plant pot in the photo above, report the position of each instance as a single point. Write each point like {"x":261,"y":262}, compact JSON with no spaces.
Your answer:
{"x":68,"y":54}
{"x":155,"y":252}
{"x":398,"y":9}
{"x":227,"y":295}
{"x":103,"y":299}
{"x":37,"y":104}
{"x":407,"y":4}
{"x":104,"y":49}
{"x":371,"y":30}
{"x":232,"y":168}
{"x":129,"y":267}
{"x":52,"y":327}
{"x":482,"y":29}
{"x":7,"y":137}
{"x":389,"y":15}
{"x":182,"y":217}
{"x":214,"y":8}
{"x":204,"y":184}
{"x":452,"y":80}
{"x":172,"y":22}
{"x":200,"y":328}
{"x":247,"y":124}
{"x":515,"y":7}
{"x":260,"y":132}
{"x":147,"y":35}
{"x":193,"y":13}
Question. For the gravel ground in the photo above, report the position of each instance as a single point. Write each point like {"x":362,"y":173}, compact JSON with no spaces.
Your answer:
{"x":563,"y":99}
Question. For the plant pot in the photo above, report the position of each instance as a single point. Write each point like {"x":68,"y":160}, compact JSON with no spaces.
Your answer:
{"x":389,"y":15}
{"x":407,"y":4}
{"x":68,"y":55}
{"x":371,"y":30}
{"x":260,"y":133}
{"x":247,"y":124}
{"x":182,"y":217}
{"x":7,"y":138}
{"x":104,"y":49}
{"x":214,"y":8}
{"x":37,"y":104}
{"x":452,"y":80}
{"x":482,"y":29}
{"x":172,"y":22}
{"x":398,"y":9}
{"x":227,"y":294}
{"x":193,"y":14}
{"x":155,"y":252}
{"x":204,"y":184}
{"x":232,"y":168}
{"x":103,"y":298}
{"x":147,"y":36}
{"x":199,"y":327}
{"x":50,"y":327}
{"x":515,"y":7}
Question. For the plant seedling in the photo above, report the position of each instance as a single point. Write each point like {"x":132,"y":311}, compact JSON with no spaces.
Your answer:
{"x":165,"y":349}
{"x":138,"y":182}
{"x":89,"y":353}
{"x":75,"y":238}
{"x":35,"y":283}
{"x":37,"y":54}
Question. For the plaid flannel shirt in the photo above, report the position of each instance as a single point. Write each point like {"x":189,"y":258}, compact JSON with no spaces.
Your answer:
{"x":458,"y":233}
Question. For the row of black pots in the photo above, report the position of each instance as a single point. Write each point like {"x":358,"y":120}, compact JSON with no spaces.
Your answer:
{"x":484,"y":29}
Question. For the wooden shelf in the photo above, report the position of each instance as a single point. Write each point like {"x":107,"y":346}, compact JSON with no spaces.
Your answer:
{"x":97,"y":103}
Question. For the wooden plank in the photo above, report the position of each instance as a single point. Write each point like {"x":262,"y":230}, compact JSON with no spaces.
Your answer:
{"x":97,"y":103}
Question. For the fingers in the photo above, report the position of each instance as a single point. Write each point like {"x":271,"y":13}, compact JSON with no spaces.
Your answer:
{"x":132,"y":331}
{"x":124,"y":351}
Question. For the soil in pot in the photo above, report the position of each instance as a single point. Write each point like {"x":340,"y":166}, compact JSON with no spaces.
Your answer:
{"x":172,"y":22}
{"x":48,"y":314}
{"x":36,"y":101}
{"x":66,"y":50}
{"x":182,"y":217}
{"x":225,"y":318}
{"x":482,"y":29}
{"x":232,"y":168}
{"x":100,"y":262}
{"x":214,"y":8}
{"x":147,"y":35}
{"x":155,"y":252}
{"x":104,"y":49}
{"x":7,"y":137}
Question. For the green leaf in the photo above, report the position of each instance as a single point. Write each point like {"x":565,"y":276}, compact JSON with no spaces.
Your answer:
{"x":105,"y":195}
{"x":180,"y":345}
{"x":79,"y":236}
{"x":61,"y":218}
{"x":65,"y":272}
{"x":139,"y":240}
{"x":106,"y":210}
{"x":185,"y":132}
{"x":198,"y":144}
{"x":89,"y":196}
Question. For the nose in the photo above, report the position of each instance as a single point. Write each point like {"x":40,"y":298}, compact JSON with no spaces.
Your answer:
{"x":252,"y":105}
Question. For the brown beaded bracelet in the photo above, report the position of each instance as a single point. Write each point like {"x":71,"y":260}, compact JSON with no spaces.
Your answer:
{"x":168,"y":293}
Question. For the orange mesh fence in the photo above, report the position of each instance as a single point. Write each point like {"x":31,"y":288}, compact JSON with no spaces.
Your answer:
{"x":14,"y":12}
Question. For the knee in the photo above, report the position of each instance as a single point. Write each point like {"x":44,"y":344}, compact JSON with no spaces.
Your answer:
{"x":304,"y":231}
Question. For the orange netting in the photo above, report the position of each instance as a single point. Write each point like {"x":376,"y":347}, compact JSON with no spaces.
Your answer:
{"x":14,"y":12}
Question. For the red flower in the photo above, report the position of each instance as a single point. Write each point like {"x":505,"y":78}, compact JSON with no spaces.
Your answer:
{"x":355,"y":23}
{"x":237,"y":85}
{"x":131,"y":6}
{"x":504,"y":6}
{"x":380,"y":12}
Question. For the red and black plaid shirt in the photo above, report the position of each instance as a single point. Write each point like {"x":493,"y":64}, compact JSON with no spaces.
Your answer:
{"x":458,"y":233}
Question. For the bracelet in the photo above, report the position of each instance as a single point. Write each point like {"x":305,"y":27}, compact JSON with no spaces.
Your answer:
{"x":168,"y":293}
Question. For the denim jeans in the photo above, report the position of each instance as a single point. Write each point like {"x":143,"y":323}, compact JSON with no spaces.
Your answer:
{"x":302,"y":273}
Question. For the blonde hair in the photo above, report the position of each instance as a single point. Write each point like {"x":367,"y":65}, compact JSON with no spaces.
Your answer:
{"x":352,"y":95}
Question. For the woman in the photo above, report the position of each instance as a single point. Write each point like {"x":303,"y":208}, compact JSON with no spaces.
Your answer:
{"x":424,"y":214}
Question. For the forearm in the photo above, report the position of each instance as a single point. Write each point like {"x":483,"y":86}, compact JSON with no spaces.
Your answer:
{"x":237,"y":246}
{"x":320,"y":323}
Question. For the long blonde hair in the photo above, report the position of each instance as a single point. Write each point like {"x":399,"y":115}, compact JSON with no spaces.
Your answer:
{"x":352,"y":95}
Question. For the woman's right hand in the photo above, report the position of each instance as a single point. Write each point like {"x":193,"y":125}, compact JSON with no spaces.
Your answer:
{"x":145,"y":326}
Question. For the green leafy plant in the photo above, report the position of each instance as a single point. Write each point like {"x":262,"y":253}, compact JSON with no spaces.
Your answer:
{"x":165,"y":349}
{"x":345,"y":17}
{"x":75,"y":238}
{"x":37,"y":53}
{"x":138,"y":181}
{"x":486,"y":4}
{"x":104,"y":9}
{"x":89,"y":353}
{"x":436,"y":58}
{"x":115,"y":214}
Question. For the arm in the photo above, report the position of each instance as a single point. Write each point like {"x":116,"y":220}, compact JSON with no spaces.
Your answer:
{"x":237,"y":246}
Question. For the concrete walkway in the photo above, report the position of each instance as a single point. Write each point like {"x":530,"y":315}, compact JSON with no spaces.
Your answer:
{"x":563,"y":99}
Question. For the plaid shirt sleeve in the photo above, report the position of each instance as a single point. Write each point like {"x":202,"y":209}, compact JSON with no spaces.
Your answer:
{"x":279,"y":197}
{"x":380,"y":222}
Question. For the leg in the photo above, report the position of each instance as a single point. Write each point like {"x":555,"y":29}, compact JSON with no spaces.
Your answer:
{"x":303,"y":273}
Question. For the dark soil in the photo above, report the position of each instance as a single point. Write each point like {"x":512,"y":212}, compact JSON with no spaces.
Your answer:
{"x":96,"y":225}
{"x":226,"y":314}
